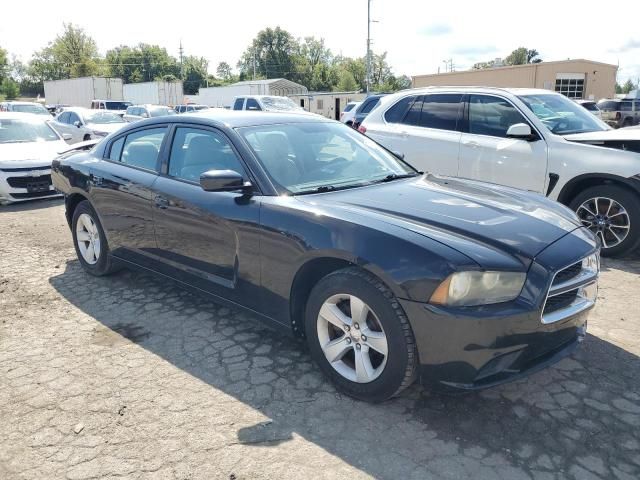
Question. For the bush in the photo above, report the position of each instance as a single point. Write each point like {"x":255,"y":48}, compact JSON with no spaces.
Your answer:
{"x":9,"y":89}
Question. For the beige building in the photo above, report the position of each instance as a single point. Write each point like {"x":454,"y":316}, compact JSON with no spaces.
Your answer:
{"x":573,"y":78}
{"x":327,"y":104}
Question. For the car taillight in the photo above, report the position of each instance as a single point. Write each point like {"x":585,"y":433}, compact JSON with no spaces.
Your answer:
{"x":618,"y":115}
{"x":362,"y":129}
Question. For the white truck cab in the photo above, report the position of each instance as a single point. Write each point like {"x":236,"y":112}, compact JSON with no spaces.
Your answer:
{"x":529,"y":139}
{"x":267,"y":103}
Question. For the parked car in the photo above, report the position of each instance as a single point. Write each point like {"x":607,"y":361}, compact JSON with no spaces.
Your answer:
{"x":349,"y":113}
{"x":140,"y":112}
{"x":192,"y":107}
{"x":365,"y":108}
{"x":525,"y":138}
{"x":116,"y":106}
{"x":55,"y":109}
{"x":620,"y":112}
{"x":267,"y":103}
{"x":313,"y":227}
{"x":24,"y":107}
{"x":591,"y":106}
{"x":27,"y":146}
{"x":84,"y":124}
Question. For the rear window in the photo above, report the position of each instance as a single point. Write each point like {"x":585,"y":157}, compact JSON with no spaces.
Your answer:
{"x":397,"y":112}
{"x":609,"y":106}
{"x":348,"y":107}
{"x":237,"y":105}
{"x":591,"y":106}
{"x":368,"y":105}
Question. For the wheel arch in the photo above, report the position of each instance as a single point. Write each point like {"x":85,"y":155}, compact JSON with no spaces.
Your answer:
{"x":311,"y":272}
{"x":71,"y":201}
{"x":582,"y":182}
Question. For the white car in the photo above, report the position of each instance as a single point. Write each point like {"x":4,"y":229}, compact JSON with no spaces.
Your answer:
{"x":349,"y":113}
{"x":140,"y":112}
{"x":591,"y":106}
{"x":25,"y":107}
{"x":529,"y":139}
{"x":85,"y":124}
{"x":28,"y":144}
{"x":267,"y":103}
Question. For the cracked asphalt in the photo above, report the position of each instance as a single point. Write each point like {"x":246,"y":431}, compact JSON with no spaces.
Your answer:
{"x":129,"y":376}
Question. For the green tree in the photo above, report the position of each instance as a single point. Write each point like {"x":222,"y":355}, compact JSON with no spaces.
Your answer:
{"x":4,"y":64}
{"x":141,"y":63}
{"x":9,"y":88}
{"x":628,"y":86}
{"x":195,"y":74}
{"x":271,"y":54}
{"x":346,"y":82}
{"x":224,"y":72}
{"x":618,"y":88}
{"x":522,"y":56}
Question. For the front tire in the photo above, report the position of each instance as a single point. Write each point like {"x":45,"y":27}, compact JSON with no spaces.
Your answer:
{"x":613,"y":214}
{"x":359,"y":336}
{"x":90,"y":241}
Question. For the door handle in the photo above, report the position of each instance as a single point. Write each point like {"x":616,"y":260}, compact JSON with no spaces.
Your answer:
{"x":471,"y":144}
{"x":161,"y":202}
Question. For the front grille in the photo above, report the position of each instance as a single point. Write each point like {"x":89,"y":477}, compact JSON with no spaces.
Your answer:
{"x":34,"y":194}
{"x":568,"y":273}
{"x":572,"y":290}
{"x":26,"y":182}
{"x":562,"y":300}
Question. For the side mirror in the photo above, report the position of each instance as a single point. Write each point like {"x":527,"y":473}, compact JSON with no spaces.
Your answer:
{"x":67,"y":136}
{"x":77,"y":123}
{"x":520,"y":130}
{"x":223,"y":181}
{"x":144,"y":115}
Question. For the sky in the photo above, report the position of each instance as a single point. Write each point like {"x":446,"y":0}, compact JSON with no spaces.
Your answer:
{"x":418,"y":35}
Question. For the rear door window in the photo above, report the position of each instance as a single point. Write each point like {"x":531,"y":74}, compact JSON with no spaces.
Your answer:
{"x":608,"y":106}
{"x":252,"y":104}
{"x":237,"y":105}
{"x":142,"y":148}
{"x":369,"y":104}
{"x":441,"y":111}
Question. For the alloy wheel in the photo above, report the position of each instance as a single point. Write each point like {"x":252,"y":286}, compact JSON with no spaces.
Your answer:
{"x":352,"y":338}
{"x":88,"y":239}
{"x":607,"y":218}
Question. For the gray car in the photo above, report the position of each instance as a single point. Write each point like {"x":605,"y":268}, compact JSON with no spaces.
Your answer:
{"x":85,"y":124}
{"x":140,"y":112}
{"x":619,"y":113}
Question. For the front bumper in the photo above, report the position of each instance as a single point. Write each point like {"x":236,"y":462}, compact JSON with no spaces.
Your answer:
{"x":25,"y":183}
{"x":491,"y":346}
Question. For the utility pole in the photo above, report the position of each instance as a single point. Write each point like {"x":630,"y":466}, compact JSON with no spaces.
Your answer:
{"x":368,"y":45}
{"x":181,"y":50}
{"x":254,"y":63}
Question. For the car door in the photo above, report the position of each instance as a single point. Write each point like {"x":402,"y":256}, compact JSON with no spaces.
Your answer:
{"x":429,"y":133}
{"x":207,"y":239}
{"x":120,"y":189}
{"x":77,"y":130}
{"x":61,"y":125}
{"x":487,"y":154}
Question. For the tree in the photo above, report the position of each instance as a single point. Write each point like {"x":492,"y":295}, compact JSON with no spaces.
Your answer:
{"x":141,"y":63}
{"x":346,"y":82}
{"x":224,"y":72}
{"x":195,"y":74}
{"x":522,"y":56}
{"x":628,"y":86}
{"x":9,"y":88}
{"x":4,"y":64}
{"x":271,"y":54}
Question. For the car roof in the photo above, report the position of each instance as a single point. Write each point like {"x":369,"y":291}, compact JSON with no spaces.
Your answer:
{"x":479,"y":89}
{"x":242,"y":118}
{"x":14,"y":102}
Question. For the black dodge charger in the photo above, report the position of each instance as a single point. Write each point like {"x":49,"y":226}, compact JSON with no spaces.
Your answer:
{"x":390,"y":274}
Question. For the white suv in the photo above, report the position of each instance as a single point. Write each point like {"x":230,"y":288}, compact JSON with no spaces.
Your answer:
{"x":530,"y":139}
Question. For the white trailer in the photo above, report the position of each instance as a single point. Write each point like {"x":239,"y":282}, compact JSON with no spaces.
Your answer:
{"x":157,"y":93}
{"x":223,"y":96}
{"x":79,"y":92}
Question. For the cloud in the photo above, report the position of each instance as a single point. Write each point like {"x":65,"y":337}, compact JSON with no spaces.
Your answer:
{"x":474,"y":50}
{"x":631,"y":44}
{"x":436,"y":29}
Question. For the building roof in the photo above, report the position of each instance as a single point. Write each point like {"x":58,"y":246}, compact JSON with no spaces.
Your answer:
{"x":277,"y":86}
{"x":527,"y":65}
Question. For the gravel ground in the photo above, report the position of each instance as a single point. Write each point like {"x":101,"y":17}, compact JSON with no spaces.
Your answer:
{"x":130,"y":377}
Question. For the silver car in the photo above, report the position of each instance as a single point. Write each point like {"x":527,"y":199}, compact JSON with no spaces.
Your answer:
{"x":140,"y":112}
{"x":85,"y":124}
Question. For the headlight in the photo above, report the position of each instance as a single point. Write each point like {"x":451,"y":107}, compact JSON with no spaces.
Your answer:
{"x":465,"y":289}
{"x":592,"y":263}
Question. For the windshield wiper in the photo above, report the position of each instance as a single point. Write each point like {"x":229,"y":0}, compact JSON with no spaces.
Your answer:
{"x":395,"y":176}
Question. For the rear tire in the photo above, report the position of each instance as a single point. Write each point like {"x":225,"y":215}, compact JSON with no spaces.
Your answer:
{"x":86,"y":137}
{"x":376,"y":357}
{"x":90,"y":241}
{"x":615,"y":220}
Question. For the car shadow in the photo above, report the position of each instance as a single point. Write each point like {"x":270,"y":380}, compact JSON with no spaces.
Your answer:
{"x":579,"y":419}
{"x":36,"y":204}
{"x":628,"y":263}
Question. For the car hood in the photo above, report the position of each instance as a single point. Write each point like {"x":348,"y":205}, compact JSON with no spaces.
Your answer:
{"x":33,"y":154}
{"x":516,"y":222}
{"x":106,"y":127}
{"x":615,"y":135}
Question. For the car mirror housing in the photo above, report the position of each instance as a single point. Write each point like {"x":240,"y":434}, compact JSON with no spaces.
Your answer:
{"x":520,"y":130}
{"x":77,"y":123}
{"x":67,"y":136}
{"x":223,"y":181}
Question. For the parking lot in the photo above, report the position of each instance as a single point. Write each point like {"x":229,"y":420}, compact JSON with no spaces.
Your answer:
{"x":129,"y":376}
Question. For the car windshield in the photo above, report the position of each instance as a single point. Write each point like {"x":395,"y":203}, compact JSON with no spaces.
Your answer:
{"x":30,"y":108}
{"x":102,"y":117}
{"x":161,"y":111}
{"x":279,"y":103}
{"x":117,"y":105}
{"x":561,"y":115}
{"x":315,"y":157}
{"x":14,"y":130}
